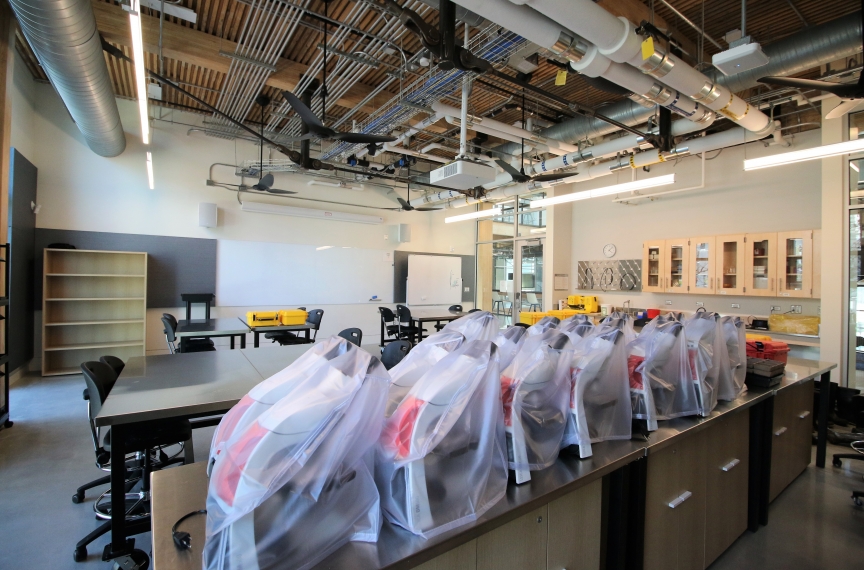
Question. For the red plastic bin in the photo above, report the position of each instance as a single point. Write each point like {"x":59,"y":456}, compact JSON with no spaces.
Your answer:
{"x":770,"y":349}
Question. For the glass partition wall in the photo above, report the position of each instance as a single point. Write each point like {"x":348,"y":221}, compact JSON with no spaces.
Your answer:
{"x":855,"y":330}
{"x":510,"y":259}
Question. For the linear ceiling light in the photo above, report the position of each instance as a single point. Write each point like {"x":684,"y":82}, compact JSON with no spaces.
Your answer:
{"x":343,"y":185}
{"x":150,"y":170}
{"x":140,"y":69}
{"x":806,"y":154}
{"x":606,"y":191}
{"x":495,"y":211}
{"x":265,"y":208}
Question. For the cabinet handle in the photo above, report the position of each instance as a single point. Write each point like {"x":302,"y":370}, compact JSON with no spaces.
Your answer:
{"x":780,"y":431}
{"x":731,"y":465}
{"x":781,"y":285}
{"x":772,"y":283}
{"x":803,"y":415}
{"x":680,"y":499}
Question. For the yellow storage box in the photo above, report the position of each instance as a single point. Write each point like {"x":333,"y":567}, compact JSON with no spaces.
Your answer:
{"x":794,"y":324}
{"x":574,"y":300}
{"x":530,"y":317}
{"x":293,"y":317}
{"x":758,"y":337}
{"x":584,"y":304}
{"x":563,"y":314}
{"x":262,"y":318}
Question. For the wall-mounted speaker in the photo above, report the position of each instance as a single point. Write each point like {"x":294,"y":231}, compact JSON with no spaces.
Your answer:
{"x":400,"y":233}
{"x":208,"y":215}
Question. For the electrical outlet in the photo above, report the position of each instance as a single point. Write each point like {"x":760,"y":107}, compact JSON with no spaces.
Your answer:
{"x":467,"y":289}
{"x":795,"y":308}
{"x":668,"y":302}
{"x":775,"y":308}
{"x":452,"y":249}
{"x":700,"y":304}
{"x":819,"y":309}
{"x":736,"y":306}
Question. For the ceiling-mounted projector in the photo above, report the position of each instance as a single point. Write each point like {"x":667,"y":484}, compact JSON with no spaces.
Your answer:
{"x":742,"y":56}
{"x":462,"y":174}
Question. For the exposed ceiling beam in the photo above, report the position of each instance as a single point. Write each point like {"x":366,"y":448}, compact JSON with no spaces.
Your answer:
{"x":202,"y":49}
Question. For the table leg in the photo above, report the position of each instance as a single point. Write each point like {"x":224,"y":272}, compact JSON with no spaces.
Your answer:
{"x":183,"y":344}
{"x":822,"y":426}
{"x":382,"y":333}
{"x":255,"y":342}
{"x":242,"y":341}
{"x":118,"y":545}
{"x":232,"y":342}
{"x":189,"y":449}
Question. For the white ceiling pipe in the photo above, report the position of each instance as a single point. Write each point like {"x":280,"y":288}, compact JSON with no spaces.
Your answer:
{"x":483,"y":128}
{"x":388,"y":147}
{"x":434,"y":146}
{"x":475,"y":122}
{"x":616,"y":38}
{"x":422,"y":125}
{"x":605,"y":149}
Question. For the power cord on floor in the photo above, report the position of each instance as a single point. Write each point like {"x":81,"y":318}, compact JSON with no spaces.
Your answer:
{"x":183,"y":540}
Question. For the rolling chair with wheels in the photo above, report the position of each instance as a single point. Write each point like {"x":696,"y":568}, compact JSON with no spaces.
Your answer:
{"x":389,"y":326}
{"x":394,"y":353}
{"x":201,"y":340}
{"x":115,"y":363}
{"x":141,"y":437}
{"x":857,"y":446}
{"x":353,"y":335}
{"x":192,"y":345}
{"x":288,"y":337}
{"x":456,"y":308}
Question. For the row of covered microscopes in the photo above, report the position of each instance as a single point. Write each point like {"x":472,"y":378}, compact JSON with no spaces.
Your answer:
{"x":316,"y":455}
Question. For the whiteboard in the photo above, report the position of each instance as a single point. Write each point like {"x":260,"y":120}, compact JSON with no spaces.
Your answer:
{"x":255,"y":274}
{"x":434,"y":280}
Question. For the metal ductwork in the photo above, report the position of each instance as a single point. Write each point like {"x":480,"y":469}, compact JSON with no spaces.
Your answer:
{"x":462,"y":14}
{"x":807,"y":49}
{"x":64,"y":38}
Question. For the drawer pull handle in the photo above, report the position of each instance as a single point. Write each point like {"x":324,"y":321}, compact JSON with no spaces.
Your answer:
{"x":803,"y":415}
{"x":731,"y":465}
{"x":780,"y":431}
{"x":680,"y":499}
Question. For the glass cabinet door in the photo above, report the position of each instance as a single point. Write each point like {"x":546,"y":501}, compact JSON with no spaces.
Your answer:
{"x":729,"y":264}
{"x":677,"y":265}
{"x":760,"y":270}
{"x":652,"y":266}
{"x":702,"y":265}
{"x":795,"y":264}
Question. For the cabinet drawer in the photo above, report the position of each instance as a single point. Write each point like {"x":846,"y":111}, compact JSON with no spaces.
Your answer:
{"x":574,"y":529}
{"x":461,"y":558}
{"x":518,"y":545}
{"x":792,"y":435}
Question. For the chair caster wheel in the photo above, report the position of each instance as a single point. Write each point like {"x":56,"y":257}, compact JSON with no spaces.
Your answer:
{"x":838,"y":463}
{"x":80,"y":554}
{"x":139,"y":559}
{"x":858,"y":502}
{"x":77,"y":498}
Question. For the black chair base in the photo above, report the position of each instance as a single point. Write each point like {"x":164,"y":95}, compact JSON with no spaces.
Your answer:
{"x":856,"y":498}
{"x":137,"y":526}
{"x":79,"y":493}
{"x":286,"y":338}
{"x":838,"y":457}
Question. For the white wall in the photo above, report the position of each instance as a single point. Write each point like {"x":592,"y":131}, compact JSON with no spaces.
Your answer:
{"x":79,"y":190}
{"x":23,"y":109}
{"x":733,"y":201}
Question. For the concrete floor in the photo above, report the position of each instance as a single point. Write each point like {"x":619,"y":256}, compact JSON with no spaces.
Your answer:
{"x":47,"y":454}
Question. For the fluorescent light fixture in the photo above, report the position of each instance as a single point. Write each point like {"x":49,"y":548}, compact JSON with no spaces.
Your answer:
{"x":806,"y":154}
{"x":140,"y":69}
{"x":265,"y":208}
{"x":343,"y":185}
{"x":606,"y":191}
{"x":473,"y":215}
{"x":150,"y":170}
{"x":323,"y":247}
{"x":854,"y":166}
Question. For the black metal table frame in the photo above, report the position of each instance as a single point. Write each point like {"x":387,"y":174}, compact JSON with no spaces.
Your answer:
{"x":184,"y":340}
{"x":256,"y":340}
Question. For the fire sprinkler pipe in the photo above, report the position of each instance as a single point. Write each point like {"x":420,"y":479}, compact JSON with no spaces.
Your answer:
{"x":389,"y":147}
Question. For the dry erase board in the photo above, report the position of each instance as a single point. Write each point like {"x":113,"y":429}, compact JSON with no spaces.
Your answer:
{"x":265,"y":274}
{"x":434,"y":280}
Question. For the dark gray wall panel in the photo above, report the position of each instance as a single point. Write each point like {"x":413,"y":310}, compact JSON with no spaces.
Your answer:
{"x":400,"y":274}
{"x":22,"y":234}
{"x":175,"y":265}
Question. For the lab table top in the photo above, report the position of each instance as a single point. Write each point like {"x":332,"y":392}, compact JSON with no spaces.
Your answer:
{"x":210,"y":327}
{"x":435,"y":314}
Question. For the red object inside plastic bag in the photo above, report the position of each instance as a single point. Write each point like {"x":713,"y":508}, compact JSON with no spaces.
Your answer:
{"x":692,"y":354}
{"x":226,"y":486}
{"x":770,"y":349}
{"x":408,"y":412}
{"x":229,"y":422}
{"x":653,"y":313}
{"x":633,"y":362}
{"x":507,"y":389}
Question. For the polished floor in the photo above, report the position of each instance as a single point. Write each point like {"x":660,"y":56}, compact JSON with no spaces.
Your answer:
{"x":47,"y":454}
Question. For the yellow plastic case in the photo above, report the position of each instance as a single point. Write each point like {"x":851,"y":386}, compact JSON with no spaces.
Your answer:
{"x":794,"y":324}
{"x":758,"y":337}
{"x":530,"y":317}
{"x":262,"y":318}
{"x":563,"y":314}
{"x":293,"y":317}
{"x":584,"y":304}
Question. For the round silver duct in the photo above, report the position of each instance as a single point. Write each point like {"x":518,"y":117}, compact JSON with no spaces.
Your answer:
{"x":64,"y":38}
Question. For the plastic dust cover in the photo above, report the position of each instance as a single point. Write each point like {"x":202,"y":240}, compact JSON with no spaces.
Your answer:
{"x":536,"y":398}
{"x":577,"y":328}
{"x":418,"y":362}
{"x":507,"y":342}
{"x":701,"y":331}
{"x":296,"y":483}
{"x":659,"y":372}
{"x":481,"y":325}
{"x":312,"y":366}
{"x":442,"y":460}
{"x":543,"y":325}
{"x":600,"y":407}
{"x":735,"y":336}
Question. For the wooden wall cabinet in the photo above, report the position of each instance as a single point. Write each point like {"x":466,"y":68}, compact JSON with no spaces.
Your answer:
{"x":677,"y":265}
{"x":791,"y":443}
{"x":760,"y":265}
{"x":702,"y":265}
{"x":653,"y":266}
{"x":94,"y":303}
{"x":795,"y":264}
{"x":728,"y":445}
{"x":729,"y":264}
{"x":675,"y":506}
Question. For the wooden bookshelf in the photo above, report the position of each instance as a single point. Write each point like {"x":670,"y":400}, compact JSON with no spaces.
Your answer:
{"x":94,"y":304}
